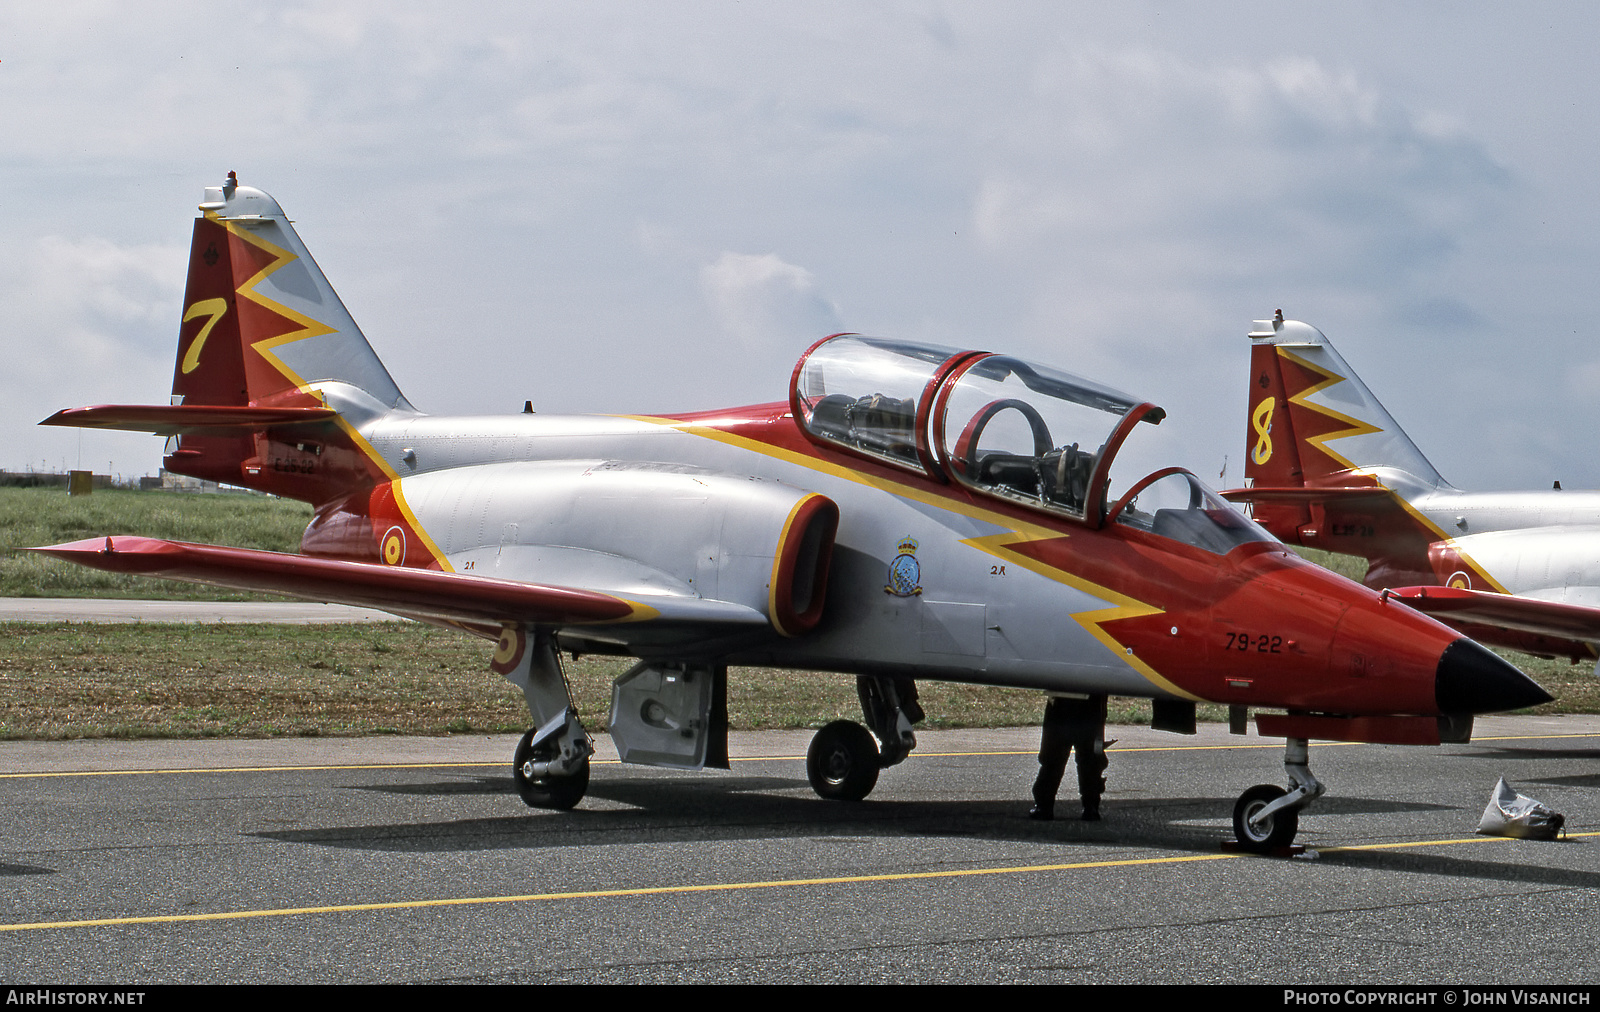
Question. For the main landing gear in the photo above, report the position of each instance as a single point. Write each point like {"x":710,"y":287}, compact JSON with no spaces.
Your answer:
{"x":1266,"y":817}
{"x":844,"y":759}
{"x":551,"y":763}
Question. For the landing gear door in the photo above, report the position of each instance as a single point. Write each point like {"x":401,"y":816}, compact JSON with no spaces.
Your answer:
{"x":671,"y":715}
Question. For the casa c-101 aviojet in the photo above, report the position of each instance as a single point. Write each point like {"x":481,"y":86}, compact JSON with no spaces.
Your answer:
{"x":1329,"y":468}
{"x":908,"y":512}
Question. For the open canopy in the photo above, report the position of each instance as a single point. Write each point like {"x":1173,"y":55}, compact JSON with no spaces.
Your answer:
{"x":1000,"y":425}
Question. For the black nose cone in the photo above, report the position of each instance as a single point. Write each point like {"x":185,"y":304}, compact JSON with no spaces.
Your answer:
{"x":1471,"y":679}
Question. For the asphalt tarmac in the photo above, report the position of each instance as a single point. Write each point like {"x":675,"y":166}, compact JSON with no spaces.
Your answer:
{"x":391,"y":860}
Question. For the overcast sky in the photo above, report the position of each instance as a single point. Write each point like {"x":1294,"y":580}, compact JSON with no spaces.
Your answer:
{"x":646,"y":207}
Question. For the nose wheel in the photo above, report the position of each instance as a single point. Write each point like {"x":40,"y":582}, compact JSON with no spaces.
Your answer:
{"x":1258,"y":830}
{"x":1267,"y":817}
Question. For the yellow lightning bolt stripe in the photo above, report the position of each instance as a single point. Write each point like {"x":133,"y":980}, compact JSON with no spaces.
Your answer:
{"x":1360,"y":428}
{"x":1355,"y":427}
{"x":405,"y":509}
{"x":1000,"y":545}
{"x":313,"y":328}
{"x":280,"y":257}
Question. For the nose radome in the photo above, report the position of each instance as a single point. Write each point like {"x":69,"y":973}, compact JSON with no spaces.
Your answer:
{"x":1471,"y":679}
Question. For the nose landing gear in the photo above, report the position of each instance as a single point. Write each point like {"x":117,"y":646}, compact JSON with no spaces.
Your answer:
{"x":1266,"y":817}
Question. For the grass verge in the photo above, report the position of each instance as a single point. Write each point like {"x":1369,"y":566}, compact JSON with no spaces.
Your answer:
{"x":72,"y":680}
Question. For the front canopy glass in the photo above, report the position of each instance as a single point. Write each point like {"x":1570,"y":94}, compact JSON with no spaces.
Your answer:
{"x":1002,"y":426}
{"x":864,"y":393}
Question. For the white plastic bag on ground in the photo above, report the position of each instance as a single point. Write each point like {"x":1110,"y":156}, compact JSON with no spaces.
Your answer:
{"x":1513,"y":814}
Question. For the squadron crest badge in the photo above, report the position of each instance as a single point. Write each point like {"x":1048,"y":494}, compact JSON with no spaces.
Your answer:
{"x":905,"y":573}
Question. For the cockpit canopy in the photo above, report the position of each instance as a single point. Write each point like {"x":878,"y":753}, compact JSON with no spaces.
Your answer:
{"x":997,"y":424}
{"x":1171,"y":503}
{"x":1005,"y":427}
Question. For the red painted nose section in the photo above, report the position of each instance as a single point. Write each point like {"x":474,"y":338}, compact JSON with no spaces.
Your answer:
{"x":1471,"y":679}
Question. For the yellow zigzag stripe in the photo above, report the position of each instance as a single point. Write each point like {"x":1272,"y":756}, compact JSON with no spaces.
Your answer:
{"x":999,"y":545}
{"x":1356,"y":427}
{"x":1003,"y":546}
{"x":1360,"y":428}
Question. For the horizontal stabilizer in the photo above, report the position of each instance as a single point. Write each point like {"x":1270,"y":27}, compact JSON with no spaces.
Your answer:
{"x":187,"y":419}
{"x":1303,"y":494}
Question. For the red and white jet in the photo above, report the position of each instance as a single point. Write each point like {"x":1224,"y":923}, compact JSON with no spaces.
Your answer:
{"x":1329,"y":468}
{"x":907,"y":512}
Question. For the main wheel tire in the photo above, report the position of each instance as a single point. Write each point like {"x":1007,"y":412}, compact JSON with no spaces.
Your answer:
{"x":1276,"y":832}
{"x":842,"y":762}
{"x":558,"y":791}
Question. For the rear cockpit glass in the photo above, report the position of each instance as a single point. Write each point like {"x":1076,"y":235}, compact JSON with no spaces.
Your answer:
{"x":1027,"y":432}
{"x":1174,"y":504}
{"x":863,"y":393}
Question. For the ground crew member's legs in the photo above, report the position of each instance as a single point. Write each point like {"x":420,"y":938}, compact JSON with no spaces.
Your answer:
{"x":1070,"y":723}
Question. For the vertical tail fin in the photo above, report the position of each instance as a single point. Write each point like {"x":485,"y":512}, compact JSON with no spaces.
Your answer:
{"x":261,"y":324}
{"x":263,"y":329}
{"x":1322,"y":425}
{"x":273,"y":381}
{"x":1325,"y":460}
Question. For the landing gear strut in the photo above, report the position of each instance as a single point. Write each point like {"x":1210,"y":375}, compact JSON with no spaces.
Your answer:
{"x":551,"y":765}
{"x":1266,"y":817}
{"x":843,"y":760}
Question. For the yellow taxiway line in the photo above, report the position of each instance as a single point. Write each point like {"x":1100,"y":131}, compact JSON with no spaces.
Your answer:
{"x":590,"y":894}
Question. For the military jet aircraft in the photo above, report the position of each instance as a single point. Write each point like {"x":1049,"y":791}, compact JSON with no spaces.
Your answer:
{"x":1329,"y":468}
{"x":908,"y":512}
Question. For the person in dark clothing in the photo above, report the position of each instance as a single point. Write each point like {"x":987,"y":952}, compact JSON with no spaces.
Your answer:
{"x":1071,"y":723}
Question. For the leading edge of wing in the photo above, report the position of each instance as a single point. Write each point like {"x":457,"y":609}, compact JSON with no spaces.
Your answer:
{"x":1508,"y":611}
{"x":414,"y":593}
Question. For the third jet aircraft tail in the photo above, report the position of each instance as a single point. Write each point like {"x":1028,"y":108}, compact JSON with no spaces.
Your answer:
{"x":1327,"y":465}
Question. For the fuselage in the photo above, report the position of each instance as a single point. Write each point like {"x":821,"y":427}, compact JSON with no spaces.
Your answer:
{"x":987,"y":590}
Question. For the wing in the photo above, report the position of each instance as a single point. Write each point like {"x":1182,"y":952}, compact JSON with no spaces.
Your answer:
{"x":1521,"y":623}
{"x":454,"y":598}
